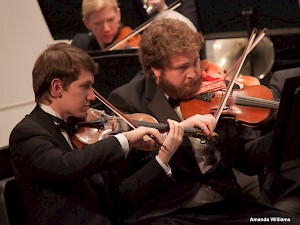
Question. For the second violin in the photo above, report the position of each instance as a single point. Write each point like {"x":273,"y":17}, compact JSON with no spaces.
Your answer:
{"x":251,"y":105}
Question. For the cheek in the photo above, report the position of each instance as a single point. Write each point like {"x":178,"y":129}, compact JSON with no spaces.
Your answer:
{"x":178,"y":81}
{"x":174,"y":79}
{"x":115,"y":27}
{"x":75,"y":98}
{"x":96,"y":30}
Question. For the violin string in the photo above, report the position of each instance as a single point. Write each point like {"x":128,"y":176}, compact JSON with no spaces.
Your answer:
{"x":259,"y":103}
{"x":256,"y":102}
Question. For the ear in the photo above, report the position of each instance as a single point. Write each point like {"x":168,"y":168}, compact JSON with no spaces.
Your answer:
{"x":56,"y":88}
{"x":86,"y":23}
{"x":156,"y":72}
{"x":119,"y":14}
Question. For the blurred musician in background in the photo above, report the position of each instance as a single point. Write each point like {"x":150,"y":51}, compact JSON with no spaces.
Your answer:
{"x":103,"y":20}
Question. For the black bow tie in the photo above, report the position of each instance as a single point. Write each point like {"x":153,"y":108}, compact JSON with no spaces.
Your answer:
{"x":68,"y":125}
{"x":174,"y":102}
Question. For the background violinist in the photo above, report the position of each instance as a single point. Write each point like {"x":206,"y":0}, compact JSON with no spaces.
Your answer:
{"x":103,"y":20}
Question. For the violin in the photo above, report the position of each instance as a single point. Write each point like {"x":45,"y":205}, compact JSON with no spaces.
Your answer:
{"x":251,"y":105}
{"x":98,"y":126}
{"x":131,"y":42}
{"x":214,"y":78}
{"x":131,"y":37}
{"x":227,"y":102}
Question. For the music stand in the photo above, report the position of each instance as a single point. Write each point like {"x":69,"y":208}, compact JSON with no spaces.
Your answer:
{"x":116,"y":68}
{"x":285,"y":148}
{"x":236,"y":18}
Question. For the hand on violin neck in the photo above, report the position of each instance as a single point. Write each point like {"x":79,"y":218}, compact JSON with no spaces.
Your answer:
{"x":171,"y":142}
{"x":205,"y":122}
{"x":144,"y":138}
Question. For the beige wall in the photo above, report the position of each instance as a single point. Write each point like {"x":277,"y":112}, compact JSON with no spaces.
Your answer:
{"x":24,"y":35}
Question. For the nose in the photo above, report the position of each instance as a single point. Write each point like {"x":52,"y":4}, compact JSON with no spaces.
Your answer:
{"x":106,"y":26}
{"x":192,"y":72}
{"x":91,"y":95}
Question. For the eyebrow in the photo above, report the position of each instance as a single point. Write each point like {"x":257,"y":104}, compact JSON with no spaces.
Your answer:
{"x":87,"y":82}
{"x":184,"y":64}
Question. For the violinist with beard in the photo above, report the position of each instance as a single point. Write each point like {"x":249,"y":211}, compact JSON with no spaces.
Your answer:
{"x":196,"y":185}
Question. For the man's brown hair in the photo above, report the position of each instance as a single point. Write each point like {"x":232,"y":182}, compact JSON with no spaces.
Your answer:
{"x":62,"y":61}
{"x":164,"y":38}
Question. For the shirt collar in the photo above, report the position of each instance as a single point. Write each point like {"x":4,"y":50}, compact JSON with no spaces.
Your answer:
{"x":49,"y":110}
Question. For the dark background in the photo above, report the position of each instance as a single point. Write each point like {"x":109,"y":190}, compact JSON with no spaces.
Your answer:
{"x":214,"y":18}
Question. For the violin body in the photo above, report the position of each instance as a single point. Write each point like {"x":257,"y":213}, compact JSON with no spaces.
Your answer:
{"x":247,"y":80}
{"x":251,"y":105}
{"x":98,"y":126}
{"x":124,"y":42}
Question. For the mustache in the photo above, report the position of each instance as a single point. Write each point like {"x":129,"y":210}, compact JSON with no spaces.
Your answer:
{"x":194,"y":81}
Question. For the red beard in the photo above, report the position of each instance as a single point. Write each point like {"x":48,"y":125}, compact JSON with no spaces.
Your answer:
{"x":184,"y":92}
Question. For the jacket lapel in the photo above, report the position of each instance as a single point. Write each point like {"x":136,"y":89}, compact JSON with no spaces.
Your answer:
{"x":158,"y":103}
{"x":45,"y":121}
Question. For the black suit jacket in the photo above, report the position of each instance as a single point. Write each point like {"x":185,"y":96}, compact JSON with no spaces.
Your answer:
{"x":148,"y":191}
{"x":53,"y":178}
{"x":86,"y":42}
{"x":277,"y":82}
{"x":278,"y":79}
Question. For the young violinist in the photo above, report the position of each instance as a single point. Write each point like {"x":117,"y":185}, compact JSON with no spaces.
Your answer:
{"x":52,"y":175}
{"x":199,"y":186}
{"x":103,"y":20}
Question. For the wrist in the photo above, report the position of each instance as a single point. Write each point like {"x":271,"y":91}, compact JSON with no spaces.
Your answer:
{"x":165,"y":167}
{"x":164,"y":155}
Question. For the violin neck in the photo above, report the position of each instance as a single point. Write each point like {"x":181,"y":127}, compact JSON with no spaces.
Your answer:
{"x":188,"y":131}
{"x":161,"y":126}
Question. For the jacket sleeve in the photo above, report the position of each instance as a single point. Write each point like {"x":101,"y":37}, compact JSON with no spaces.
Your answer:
{"x":36,"y":151}
{"x":144,"y":178}
{"x":242,"y":148}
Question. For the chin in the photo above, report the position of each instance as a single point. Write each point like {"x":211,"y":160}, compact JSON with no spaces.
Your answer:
{"x":82,"y":115}
{"x":108,"y":41}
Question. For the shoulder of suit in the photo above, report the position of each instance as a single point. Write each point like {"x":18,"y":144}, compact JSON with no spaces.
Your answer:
{"x":82,"y":40}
